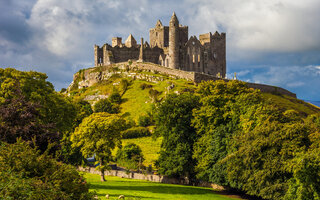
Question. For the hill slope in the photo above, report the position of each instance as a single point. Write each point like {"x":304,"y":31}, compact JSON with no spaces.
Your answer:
{"x":146,"y":87}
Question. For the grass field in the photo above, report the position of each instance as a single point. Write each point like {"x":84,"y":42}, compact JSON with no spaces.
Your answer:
{"x":139,"y":189}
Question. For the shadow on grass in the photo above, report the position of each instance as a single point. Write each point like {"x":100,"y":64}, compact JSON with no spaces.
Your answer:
{"x":155,"y":189}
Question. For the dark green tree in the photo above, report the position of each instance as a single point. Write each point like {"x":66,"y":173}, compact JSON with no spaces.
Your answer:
{"x":216,"y":121}
{"x":173,"y":122}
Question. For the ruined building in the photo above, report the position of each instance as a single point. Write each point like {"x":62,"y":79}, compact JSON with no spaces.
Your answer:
{"x":170,"y":46}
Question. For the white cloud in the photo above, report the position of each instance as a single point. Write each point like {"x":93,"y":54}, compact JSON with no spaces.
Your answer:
{"x":257,"y":25}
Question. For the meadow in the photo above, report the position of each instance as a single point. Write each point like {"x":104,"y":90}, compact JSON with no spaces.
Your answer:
{"x":139,"y":189}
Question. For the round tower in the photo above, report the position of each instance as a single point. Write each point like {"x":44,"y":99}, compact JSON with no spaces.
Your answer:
{"x":174,"y":42}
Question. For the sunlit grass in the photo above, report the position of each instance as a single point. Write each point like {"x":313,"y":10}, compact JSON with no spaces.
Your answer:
{"x":140,"y":189}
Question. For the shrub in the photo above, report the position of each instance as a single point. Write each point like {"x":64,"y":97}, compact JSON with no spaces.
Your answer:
{"x":144,"y":121}
{"x":145,"y":85}
{"x":135,"y":132}
{"x":115,"y":97}
{"x":130,"y":156}
{"x":25,"y":174}
{"x":105,"y":105}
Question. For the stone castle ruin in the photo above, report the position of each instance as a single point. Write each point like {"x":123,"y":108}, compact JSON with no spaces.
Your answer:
{"x":170,"y":46}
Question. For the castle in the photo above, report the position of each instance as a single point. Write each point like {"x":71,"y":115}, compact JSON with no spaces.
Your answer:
{"x":171,"y":47}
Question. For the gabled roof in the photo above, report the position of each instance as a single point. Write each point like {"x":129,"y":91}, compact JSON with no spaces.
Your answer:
{"x":130,"y":41}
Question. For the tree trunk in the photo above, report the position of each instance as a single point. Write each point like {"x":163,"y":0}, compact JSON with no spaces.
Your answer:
{"x":102,"y":170}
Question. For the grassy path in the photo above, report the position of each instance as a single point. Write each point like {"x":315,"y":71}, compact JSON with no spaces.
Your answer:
{"x":139,"y":189}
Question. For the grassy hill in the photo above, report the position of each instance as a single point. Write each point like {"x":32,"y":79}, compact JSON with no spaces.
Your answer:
{"x":137,"y":100}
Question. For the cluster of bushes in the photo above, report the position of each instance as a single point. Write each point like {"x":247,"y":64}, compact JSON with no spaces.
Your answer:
{"x":135,"y":132}
{"x":27,"y":174}
{"x":226,"y":133}
{"x":130,"y":156}
{"x":145,"y":86}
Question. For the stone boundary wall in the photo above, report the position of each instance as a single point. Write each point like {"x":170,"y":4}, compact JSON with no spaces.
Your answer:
{"x":149,"y":177}
{"x":92,"y":76}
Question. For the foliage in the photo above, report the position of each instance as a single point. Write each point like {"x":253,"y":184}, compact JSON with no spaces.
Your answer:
{"x":105,"y":105}
{"x":145,"y":120}
{"x":32,"y":109}
{"x":130,"y":156}
{"x":54,"y":108}
{"x":135,"y":132}
{"x":145,"y":85}
{"x":66,"y":153}
{"x":115,"y":97}
{"x":20,"y":118}
{"x":25,"y":174}
{"x":173,"y":122}
{"x":124,"y":83}
{"x":154,"y":94}
{"x":97,"y":135}
{"x":215,"y":121}
{"x":150,"y":148}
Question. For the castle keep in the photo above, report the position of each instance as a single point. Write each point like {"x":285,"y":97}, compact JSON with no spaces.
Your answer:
{"x":170,"y":46}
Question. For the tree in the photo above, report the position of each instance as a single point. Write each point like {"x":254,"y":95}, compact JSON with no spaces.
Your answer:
{"x":21,"y":119}
{"x":97,"y":135}
{"x":27,"y":174}
{"x":173,"y":122}
{"x":130,"y":156}
{"x":66,"y":153}
{"x":216,"y":120}
{"x":31,"y":108}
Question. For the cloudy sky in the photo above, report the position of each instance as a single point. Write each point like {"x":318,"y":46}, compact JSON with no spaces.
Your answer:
{"x":274,"y":42}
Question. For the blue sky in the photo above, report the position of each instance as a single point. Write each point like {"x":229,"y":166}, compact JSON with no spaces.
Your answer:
{"x":273,"y":42}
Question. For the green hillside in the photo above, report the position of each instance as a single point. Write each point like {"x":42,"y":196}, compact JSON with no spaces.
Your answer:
{"x":137,"y":101}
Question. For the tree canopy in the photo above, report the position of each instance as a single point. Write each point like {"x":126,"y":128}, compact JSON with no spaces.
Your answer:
{"x":97,"y":135}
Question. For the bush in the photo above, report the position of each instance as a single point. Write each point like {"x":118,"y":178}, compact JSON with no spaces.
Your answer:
{"x":25,"y":174}
{"x":144,"y":121}
{"x":115,"y":97}
{"x":130,"y":156}
{"x":145,"y":86}
{"x":105,"y":105}
{"x":135,"y":132}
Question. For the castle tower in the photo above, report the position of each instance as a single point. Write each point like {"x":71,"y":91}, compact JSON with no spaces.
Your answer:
{"x":174,"y":42}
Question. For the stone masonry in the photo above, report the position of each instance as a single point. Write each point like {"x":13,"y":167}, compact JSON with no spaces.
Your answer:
{"x":170,"y":46}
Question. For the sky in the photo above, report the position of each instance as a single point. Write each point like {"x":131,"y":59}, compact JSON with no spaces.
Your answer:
{"x":274,"y":42}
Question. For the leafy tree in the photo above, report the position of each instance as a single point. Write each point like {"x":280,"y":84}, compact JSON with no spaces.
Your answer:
{"x":54,"y":108}
{"x":216,"y":120}
{"x":21,"y":119}
{"x":31,"y":108}
{"x":66,"y":153}
{"x":105,"y":105}
{"x":27,"y":174}
{"x":97,"y":135}
{"x":173,"y":122}
{"x":130,"y":156}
